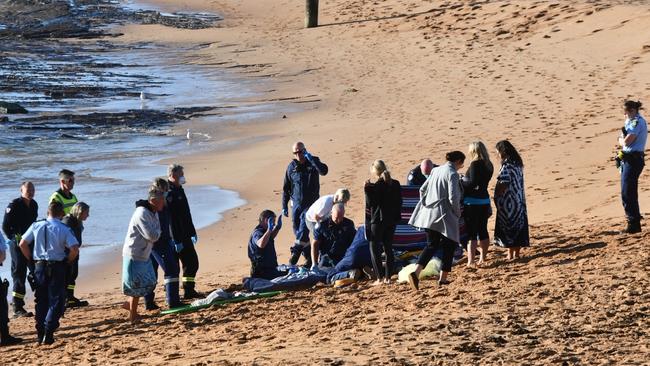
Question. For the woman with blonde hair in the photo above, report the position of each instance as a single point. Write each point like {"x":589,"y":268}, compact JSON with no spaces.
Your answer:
{"x":318,"y":212}
{"x":383,"y":213}
{"x":78,"y":214}
{"x":477,"y":208}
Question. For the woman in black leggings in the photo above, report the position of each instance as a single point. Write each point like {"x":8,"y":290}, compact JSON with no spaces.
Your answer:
{"x":383,"y":208}
{"x":477,"y":201}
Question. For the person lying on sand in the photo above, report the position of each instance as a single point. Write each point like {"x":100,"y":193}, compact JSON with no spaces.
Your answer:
{"x":138,"y":276}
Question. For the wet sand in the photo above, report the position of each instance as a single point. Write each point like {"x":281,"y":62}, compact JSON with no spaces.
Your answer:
{"x":404,"y":80}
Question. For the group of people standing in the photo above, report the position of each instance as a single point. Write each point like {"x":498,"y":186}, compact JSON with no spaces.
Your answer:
{"x":445,"y":197}
{"x":45,"y":253}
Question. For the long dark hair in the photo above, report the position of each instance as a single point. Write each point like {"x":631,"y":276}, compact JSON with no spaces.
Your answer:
{"x":507,"y":151}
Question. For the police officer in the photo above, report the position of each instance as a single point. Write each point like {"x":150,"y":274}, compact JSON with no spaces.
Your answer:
{"x":633,"y":141}
{"x":5,"y":338}
{"x":19,"y":215}
{"x":418,"y":175}
{"x":64,"y":195}
{"x":302,"y":187}
{"x":50,"y":240}
{"x":183,"y":230}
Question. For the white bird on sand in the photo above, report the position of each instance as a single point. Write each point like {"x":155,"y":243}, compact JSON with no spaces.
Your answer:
{"x":189,"y":134}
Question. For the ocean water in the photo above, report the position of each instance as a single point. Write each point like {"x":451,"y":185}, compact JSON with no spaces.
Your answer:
{"x":115,"y":165}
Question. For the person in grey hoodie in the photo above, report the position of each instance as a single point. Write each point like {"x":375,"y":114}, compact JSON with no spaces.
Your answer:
{"x":438,"y":213}
{"x":138,"y":277}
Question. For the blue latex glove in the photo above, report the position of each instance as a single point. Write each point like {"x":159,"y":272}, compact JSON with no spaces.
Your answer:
{"x":278,"y":225}
{"x":195,"y":239}
{"x":285,"y":212}
{"x":308,"y":156}
{"x":270,"y":224}
{"x":178,"y":246}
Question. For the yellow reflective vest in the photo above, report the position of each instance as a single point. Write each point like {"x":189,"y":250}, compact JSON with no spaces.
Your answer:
{"x":66,"y":202}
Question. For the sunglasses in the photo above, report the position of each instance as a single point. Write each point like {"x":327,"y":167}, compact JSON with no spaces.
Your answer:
{"x":298,"y":152}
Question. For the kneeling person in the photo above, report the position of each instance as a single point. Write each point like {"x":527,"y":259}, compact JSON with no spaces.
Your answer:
{"x":261,"y":247}
{"x":332,"y":238}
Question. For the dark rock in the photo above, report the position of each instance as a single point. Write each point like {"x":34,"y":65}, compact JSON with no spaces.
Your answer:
{"x":11,"y":108}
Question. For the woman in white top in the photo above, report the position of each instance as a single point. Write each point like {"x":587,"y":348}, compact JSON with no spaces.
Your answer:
{"x":320,"y":210}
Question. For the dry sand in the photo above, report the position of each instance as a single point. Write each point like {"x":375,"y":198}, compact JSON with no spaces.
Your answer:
{"x":404,"y":80}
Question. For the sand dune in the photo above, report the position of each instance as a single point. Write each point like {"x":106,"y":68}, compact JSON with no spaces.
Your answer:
{"x":403,"y":80}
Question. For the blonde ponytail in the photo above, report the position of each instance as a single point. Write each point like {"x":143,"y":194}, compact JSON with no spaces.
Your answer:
{"x":380,"y":170}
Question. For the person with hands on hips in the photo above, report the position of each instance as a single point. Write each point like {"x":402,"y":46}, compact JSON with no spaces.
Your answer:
{"x":302,"y":188}
{"x":261,"y":247}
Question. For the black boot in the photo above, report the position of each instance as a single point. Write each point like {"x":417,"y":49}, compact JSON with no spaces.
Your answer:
{"x":73,"y":302}
{"x":189,"y":292}
{"x":294,"y":258}
{"x":20,"y":312}
{"x":6,"y":339}
{"x":633,"y":227}
{"x":40,"y":333}
{"x":48,"y":338}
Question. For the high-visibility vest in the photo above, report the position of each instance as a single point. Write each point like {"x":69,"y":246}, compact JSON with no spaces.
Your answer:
{"x":66,"y":202}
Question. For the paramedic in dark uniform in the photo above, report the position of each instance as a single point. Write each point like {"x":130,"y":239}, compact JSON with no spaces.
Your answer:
{"x":183,"y":231}
{"x":50,"y":239}
{"x":633,"y":141}
{"x":302,"y":187}
{"x":418,"y":175}
{"x":19,"y":216}
{"x":5,"y":338}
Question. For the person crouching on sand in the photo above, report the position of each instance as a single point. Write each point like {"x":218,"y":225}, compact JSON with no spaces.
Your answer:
{"x":138,"y":276}
{"x":438,"y":213}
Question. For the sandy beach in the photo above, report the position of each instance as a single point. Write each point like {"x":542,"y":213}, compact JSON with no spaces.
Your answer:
{"x":403,"y":80}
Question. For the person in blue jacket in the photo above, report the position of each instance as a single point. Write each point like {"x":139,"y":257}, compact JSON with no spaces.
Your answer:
{"x":261,"y":247}
{"x":356,"y":257}
{"x":302,"y":187}
{"x":163,"y":254}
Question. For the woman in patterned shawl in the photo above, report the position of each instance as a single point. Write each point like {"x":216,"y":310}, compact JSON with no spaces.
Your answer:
{"x":511,"y":229}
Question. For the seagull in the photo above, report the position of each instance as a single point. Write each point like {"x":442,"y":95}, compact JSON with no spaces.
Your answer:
{"x":189,"y":134}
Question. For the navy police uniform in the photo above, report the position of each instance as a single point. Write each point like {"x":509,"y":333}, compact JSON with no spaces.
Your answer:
{"x":302,"y":187}
{"x":18,"y":217}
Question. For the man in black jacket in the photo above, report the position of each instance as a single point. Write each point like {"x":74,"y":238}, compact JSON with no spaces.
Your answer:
{"x":302,"y":187}
{"x":183,"y":231}
{"x":19,"y":215}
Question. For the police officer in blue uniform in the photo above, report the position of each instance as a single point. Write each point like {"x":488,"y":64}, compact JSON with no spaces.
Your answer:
{"x":5,"y":338}
{"x":19,"y":215}
{"x":302,"y":187}
{"x":633,"y":141}
{"x":50,"y":240}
